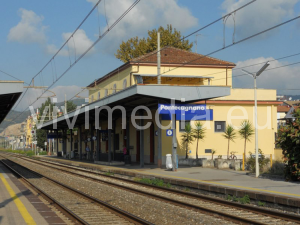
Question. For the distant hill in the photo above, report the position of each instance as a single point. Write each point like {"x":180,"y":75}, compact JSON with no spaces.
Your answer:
{"x":21,"y":118}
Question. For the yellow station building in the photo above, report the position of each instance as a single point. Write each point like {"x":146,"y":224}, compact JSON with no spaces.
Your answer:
{"x":186,"y":77}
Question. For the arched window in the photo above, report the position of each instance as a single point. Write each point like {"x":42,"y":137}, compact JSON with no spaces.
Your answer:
{"x":106,"y":92}
{"x":124,"y":83}
{"x":98,"y":95}
{"x":114,"y":88}
{"x":92,"y":98}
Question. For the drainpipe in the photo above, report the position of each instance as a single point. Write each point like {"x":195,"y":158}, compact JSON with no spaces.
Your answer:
{"x":226,"y":75}
{"x":158,"y":59}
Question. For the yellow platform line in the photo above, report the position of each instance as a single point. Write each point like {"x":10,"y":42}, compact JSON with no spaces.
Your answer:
{"x":22,"y":209}
{"x":222,"y":184}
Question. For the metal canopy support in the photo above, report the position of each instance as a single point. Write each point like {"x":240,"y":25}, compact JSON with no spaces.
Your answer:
{"x":174,"y":143}
{"x":57,"y":143}
{"x":64,"y":143}
{"x":128,"y":135}
{"x":114,"y":136}
{"x":98,"y":145}
{"x":71,"y":141}
{"x":141,"y":141}
{"x":92,"y":142}
{"x":109,"y":145}
{"x":80,"y":143}
{"x":159,"y":152}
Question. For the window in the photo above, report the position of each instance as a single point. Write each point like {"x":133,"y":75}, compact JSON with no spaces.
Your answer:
{"x":182,"y":125}
{"x":114,"y":88}
{"x":124,"y":83}
{"x":98,"y":95}
{"x":106,"y":92}
{"x":92,"y":99}
{"x":220,"y":126}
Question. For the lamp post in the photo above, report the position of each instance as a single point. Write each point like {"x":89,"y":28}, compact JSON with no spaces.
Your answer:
{"x":255,"y":75}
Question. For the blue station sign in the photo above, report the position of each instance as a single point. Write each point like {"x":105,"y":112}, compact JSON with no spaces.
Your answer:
{"x":185,"y":112}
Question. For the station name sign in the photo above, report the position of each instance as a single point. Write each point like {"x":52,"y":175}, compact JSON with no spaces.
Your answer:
{"x":185,"y":111}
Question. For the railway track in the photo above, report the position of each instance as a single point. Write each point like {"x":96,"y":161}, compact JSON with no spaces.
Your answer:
{"x":77,"y":206}
{"x":229,"y":210}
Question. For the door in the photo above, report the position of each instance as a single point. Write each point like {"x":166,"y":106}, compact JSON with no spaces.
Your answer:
{"x":152,"y":143}
{"x":138,"y":143}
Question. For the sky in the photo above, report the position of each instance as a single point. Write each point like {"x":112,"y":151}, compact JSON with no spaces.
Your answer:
{"x":32,"y":31}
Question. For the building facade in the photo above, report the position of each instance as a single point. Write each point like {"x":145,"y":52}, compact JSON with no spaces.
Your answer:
{"x":188,"y":78}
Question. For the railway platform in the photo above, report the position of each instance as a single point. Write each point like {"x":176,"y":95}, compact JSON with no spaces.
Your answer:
{"x":221,"y":182}
{"x":18,"y":205}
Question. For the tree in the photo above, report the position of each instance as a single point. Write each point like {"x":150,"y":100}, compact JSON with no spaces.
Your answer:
{"x":41,"y":135}
{"x":187,"y":138}
{"x":199,"y":134}
{"x":230,"y":135}
{"x":246,"y":132}
{"x":136,"y":47}
{"x":71,"y":106}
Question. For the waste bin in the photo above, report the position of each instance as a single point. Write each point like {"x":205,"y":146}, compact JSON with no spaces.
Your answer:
{"x":169,"y":161}
{"x":127,"y":159}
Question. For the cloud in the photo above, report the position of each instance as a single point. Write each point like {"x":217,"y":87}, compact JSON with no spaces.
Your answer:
{"x":78,"y":44}
{"x":144,"y":16}
{"x":59,"y":91}
{"x":29,"y":29}
{"x":258,"y":15}
{"x":280,"y":78}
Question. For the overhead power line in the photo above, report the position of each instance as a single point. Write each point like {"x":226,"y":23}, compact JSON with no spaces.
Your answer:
{"x":11,"y":76}
{"x":57,"y":52}
{"x":83,"y":54}
{"x":233,"y":44}
{"x":200,"y":29}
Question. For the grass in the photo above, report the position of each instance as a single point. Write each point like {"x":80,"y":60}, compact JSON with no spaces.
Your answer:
{"x":155,"y":182}
{"x":261,"y":203}
{"x":243,"y":200}
{"x":27,"y":153}
{"x":109,"y":173}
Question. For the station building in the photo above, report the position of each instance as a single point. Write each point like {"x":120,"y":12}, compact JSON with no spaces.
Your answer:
{"x":189,"y":79}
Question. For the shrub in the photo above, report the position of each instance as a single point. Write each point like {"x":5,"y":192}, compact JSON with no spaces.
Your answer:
{"x":289,"y":141}
{"x":277,"y":168}
{"x":262,"y":161}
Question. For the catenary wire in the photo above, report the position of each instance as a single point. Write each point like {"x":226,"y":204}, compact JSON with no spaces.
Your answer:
{"x":82,"y":55}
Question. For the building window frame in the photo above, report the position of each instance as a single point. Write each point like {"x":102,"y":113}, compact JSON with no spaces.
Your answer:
{"x":220,"y":126}
{"x":106,"y":93}
{"x":99,"y":95}
{"x":114,"y":88}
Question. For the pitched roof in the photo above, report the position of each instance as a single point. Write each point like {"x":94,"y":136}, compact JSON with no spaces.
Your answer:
{"x":283,"y":108}
{"x":172,"y":55}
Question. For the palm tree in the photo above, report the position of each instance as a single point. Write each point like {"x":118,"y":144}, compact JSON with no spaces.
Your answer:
{"x":230,"y":135}
{"x":246,"y":132}
{"x":187,"y":138}
{"x":199,"y":134}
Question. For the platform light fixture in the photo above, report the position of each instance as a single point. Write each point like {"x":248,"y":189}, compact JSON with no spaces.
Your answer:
{"x":255,"y":75}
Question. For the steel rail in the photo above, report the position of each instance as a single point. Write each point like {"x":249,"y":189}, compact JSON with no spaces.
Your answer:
{"x":259,"y":210}
{"x":68,"y":213}
{"x":128,"y":216}
{"x":252,"y":209}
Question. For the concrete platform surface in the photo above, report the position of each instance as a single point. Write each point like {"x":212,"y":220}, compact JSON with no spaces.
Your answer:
{"x":18,"y":205}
